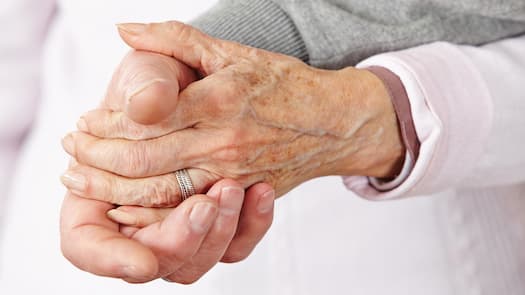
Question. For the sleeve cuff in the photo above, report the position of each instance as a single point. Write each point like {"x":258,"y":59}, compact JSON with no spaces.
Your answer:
{"x":452,"y":113}
{"x":401,"y":104}
{"x":384,"y":186}
{"x":258,"y":23}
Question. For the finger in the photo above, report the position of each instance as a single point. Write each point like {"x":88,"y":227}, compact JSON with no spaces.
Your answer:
{"x":86,"y":232}
{"x":146,"y":86}
{"x":156,"y":191}
{"x":106,"y":123}
{"x":230,"y":196}
{"x":194,"y":106}
{"x":137,"y":159}
{"x":177,"y":238}
{"x":255,"y":220}
{"x":137,"y":217}
{"x":181,"y":41}
{"x":209,"y":98}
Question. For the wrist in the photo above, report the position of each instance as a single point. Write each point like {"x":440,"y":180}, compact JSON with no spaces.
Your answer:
{"x":372,"y":144}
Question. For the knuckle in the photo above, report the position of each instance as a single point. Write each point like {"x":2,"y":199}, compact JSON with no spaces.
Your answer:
{"x":160,"y":193}
{"x":183,"y":31}
{"x":150,"y":27}
{"x":254,"y":53}
{"x":233,"y":149}
{"x":230,"y":153}
{"x":135,"y":163}
{"x":114,"y":190}
{"x":237,"y":134}
{"x":210,"y":60}
{"x":235,"y":154}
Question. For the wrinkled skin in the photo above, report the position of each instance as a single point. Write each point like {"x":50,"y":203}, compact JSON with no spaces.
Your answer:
{"x":256,"y":116}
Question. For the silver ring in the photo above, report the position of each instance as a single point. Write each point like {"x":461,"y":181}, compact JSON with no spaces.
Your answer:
{"x":185,"y":184}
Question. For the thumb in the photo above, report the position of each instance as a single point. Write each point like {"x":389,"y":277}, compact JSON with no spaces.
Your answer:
{"x":185,"y":43}
{"x":146,"y":86}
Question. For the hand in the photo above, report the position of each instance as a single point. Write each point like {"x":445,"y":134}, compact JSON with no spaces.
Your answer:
{"x":180,"y":247}
{"x":143,"y":247}
{"x":256,"y":116}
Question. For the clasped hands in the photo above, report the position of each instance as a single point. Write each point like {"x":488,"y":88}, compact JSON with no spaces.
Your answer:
{"x":248,"y":125}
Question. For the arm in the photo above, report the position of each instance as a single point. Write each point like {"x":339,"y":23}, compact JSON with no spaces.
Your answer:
{"x":376,"y":125}
{"x":319,"y":136}
{"x":318,"y":40}
{"x":467,"y":104}
{"x":336,"y":33}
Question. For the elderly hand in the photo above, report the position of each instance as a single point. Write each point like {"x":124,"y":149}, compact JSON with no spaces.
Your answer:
{"x":255,"y":116}
{"x":181,"y":247}
{"x":179,"y":244}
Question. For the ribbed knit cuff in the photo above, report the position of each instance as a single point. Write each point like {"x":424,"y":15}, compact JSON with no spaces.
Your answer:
{"x":257,"y":23}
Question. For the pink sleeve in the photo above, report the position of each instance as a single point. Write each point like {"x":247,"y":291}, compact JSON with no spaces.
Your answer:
{"x":467,"y":108}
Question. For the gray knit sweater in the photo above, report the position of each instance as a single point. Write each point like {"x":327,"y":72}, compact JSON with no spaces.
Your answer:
{"x":339,"y":33}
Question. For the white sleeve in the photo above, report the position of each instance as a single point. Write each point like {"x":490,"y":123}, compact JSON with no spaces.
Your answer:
{"x":468,"y":107}
{"x":24,"y":25}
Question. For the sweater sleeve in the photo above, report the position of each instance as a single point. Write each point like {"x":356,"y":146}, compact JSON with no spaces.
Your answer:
{"x":257,"y":23}
{"x":338,"y":33}
{"x":343,"y":32}
{"x":467,"y":104}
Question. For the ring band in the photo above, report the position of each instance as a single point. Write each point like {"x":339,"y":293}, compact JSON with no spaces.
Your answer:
{"x":185,"y":184}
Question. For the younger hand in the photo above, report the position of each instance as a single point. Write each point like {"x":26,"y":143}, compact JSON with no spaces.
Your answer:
{"x":181,"y":246}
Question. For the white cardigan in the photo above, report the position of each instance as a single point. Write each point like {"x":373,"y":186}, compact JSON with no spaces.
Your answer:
{"x":468,"y":107}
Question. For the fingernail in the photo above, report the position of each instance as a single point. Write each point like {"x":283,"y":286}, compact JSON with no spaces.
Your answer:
{"x":266,"y":202}
{"x":231,"y":200}
{"x":121,"y":217}
{"x":202,"y":216}
{"x":69,"y":144}
{"x":132,"y":28}
{"x":74,"y":181}
{"x":82,"y":125}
